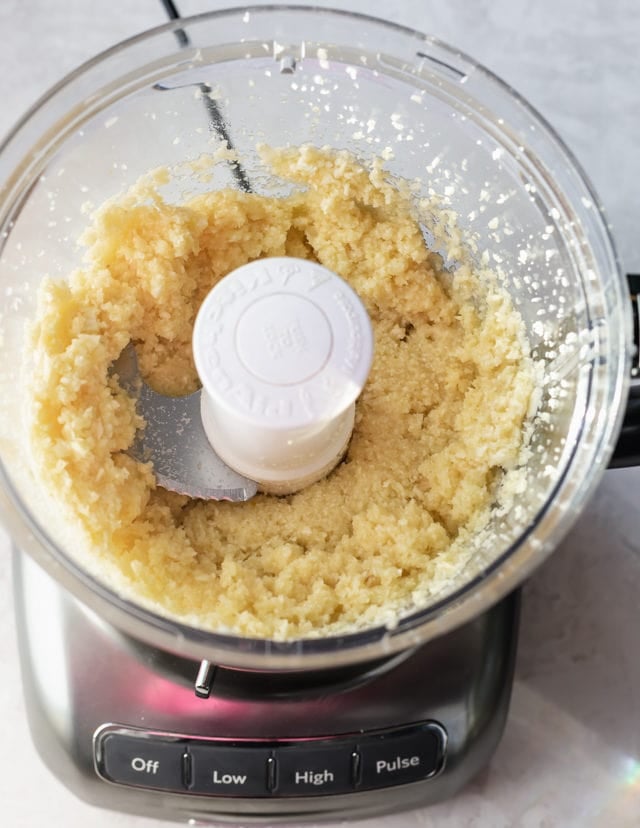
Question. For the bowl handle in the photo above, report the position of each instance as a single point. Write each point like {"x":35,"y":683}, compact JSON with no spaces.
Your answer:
{"x":627,"y":450}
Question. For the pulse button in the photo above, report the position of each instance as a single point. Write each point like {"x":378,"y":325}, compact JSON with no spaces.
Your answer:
{"x":398,"y":757}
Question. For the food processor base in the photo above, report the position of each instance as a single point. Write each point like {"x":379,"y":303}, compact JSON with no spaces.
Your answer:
{"x":121,"y":725}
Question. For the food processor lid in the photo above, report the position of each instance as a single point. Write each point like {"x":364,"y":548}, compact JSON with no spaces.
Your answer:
{"x":478,"y":145}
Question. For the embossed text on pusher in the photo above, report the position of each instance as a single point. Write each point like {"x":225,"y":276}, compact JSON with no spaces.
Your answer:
{"x":353,"y":353}
{"x":278,"y":339}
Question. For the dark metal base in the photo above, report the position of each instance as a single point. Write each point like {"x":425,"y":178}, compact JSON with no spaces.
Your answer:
{"x":80,"y":674}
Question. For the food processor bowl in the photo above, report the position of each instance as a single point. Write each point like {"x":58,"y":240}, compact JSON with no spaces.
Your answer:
{"x":466,"y":142}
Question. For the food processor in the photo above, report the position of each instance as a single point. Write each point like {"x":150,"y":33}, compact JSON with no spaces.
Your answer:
{"x":134,"y":711}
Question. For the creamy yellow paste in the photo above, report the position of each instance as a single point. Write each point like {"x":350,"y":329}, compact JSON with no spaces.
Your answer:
{"x":438,"y":425}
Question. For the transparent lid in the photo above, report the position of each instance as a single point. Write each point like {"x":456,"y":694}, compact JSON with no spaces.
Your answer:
{"x":291,"y":76}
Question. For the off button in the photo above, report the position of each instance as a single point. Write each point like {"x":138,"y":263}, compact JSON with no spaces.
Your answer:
{"x":142,"y":761}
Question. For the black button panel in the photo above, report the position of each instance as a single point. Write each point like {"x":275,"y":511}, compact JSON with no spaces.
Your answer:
{"x":243,"y":768}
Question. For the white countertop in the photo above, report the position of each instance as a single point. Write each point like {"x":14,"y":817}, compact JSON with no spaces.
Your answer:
{"x":570,"y":755}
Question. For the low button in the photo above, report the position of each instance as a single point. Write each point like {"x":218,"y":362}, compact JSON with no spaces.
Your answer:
{"x":400,"y":757}
{"x":313,"y":769}
{"x":142,"y":761}
{"x":229,"y":770}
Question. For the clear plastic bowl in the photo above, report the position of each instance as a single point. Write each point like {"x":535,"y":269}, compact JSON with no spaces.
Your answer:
{"x":297,"y":75}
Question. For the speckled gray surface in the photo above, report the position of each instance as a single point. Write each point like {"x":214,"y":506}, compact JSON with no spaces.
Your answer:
{"x":571,"y":752}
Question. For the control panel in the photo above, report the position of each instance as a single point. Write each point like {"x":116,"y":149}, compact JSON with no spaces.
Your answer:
{"x":279,"y":768}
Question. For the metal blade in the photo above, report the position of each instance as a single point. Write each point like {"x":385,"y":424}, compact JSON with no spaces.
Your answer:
{"x":174,"y":441}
